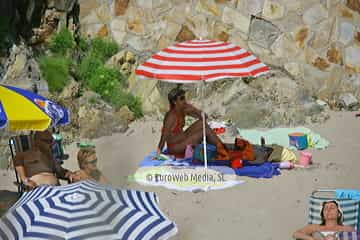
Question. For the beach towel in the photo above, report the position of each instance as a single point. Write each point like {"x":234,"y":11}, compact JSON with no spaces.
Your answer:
{"x":191,"y":178}
{"x":280,"y":136}
{"x":266,"y":170}
{"x":353,"y":194}
{"x":348,"y":193}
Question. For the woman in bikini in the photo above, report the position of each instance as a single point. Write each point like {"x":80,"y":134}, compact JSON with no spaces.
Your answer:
{"x":331,"y":217}
{"x":173,"y":134}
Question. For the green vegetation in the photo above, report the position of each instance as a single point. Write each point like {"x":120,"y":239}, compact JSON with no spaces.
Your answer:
{"x":55,"y":69}
{"x":124,"y":98}
{"x":105,"y":81}
{"x":62,"y":42}
{"x":88,"y":66}
{"x":103,"y":49}
{"x":109,"y":83}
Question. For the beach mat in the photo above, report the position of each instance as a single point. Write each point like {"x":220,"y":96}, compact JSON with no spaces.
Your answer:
{"x":185,"y":178}
{"x":265,"y":170}
{"x":280,"y":136}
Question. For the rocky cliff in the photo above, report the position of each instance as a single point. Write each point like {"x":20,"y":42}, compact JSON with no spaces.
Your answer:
{"x":312,"y":46}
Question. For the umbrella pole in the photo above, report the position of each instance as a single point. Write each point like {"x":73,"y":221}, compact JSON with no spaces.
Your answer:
{"x":203,"y":121}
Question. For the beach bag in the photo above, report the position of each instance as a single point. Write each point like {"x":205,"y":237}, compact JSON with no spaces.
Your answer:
{"x":199,"y":152}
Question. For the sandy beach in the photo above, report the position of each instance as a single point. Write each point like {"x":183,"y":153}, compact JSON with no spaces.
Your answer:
{"x":261,"y":209}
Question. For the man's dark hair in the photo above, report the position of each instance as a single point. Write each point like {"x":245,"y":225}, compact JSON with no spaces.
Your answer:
{"x":174,"y":94}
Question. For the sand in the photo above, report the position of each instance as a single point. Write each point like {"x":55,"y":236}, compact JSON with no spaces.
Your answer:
{"x":258,"y":209}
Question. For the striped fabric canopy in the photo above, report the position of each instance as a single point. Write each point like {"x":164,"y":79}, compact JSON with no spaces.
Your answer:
{"x":201,"y":60}
{"x":85,"y":210}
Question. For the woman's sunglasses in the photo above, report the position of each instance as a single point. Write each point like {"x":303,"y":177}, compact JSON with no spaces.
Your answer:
{"x":92,"y":161}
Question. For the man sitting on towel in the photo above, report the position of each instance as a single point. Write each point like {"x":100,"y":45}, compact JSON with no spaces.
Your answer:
{"x":37,"y":165}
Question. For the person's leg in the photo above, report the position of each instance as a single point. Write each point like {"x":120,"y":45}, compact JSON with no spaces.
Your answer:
{"x":181,"y":146}
{"x":45,"y":179}
{"x":197,"y":127}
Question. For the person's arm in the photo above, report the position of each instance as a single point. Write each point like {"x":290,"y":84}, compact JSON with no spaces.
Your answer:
{"x":304,"y":233}
{"x":348,"y":229}
{"x":63,"y":173}
{"x":20,"y":169}
{"x":193,"y":112}
{"x":169,"y":121}
{"x":103,"y":179}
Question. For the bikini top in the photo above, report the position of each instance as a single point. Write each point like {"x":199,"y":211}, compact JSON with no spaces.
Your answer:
{"x":178,"y":128}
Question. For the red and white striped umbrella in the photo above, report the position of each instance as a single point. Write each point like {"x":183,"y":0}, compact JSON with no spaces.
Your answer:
{"x":201,"y":60}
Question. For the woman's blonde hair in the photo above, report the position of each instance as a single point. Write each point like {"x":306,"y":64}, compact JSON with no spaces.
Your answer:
{"x":83,"y":154}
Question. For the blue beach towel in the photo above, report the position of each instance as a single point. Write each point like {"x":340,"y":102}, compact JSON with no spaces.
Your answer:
{"x":280,"y":136}
{"x":353,"y":194}
{"x":265,"y":170}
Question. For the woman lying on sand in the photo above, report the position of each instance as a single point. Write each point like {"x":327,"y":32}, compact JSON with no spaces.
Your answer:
{"x":172,"y":132}
{"x":331,"y":217}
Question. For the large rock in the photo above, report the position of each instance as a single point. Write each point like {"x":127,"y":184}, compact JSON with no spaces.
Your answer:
{"x":22,"y":70}
{"x":136,"y":26}
{"x":344,"y":31}
{"x":263,"y":33}
{"x":354,"y":5}
{"x":285,"y":47}
{"x":322,"y":33}
{"x":294,"y":68}
{"x":120,"y":7}
{"x":250,"y":7}
{"x":334,"y":54}
{"x":348,"y":101}
{"x":352,"y":58}
{"x":280,"y":87}
{"x":273,"y":10}
{"x":96,"y":118}
{"x":185,"y":34}
{"x":314,"y":79}
{"x":118,"y":30}
{"x":140,"y":43}
{"x":208,"y":7}
{"x":71,"y":90}
{"x":199,"y":25}
{"x":87,"y":6}
{"x":302,"y":36}
{"x":315,"y":14}
{"x":124,"y":114}
{"x":220,"y":32}
{"x":104,"y":13}
{"x":234,"y":17}
{"x":147,"y":91}
{"x":289,"y":22}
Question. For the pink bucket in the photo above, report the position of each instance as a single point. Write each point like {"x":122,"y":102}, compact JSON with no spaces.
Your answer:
{"x":305,"y":158}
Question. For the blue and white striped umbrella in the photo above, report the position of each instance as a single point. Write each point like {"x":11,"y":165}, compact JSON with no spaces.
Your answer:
{"x":86,"y":210}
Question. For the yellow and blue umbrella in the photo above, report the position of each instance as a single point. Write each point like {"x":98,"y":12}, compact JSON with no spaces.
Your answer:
{"x":24,"y":110}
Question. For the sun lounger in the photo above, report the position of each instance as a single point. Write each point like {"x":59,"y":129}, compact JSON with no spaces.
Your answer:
{"x":18,"y":144}
{"x":350,"y":207}
{"x":23,"y":143}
